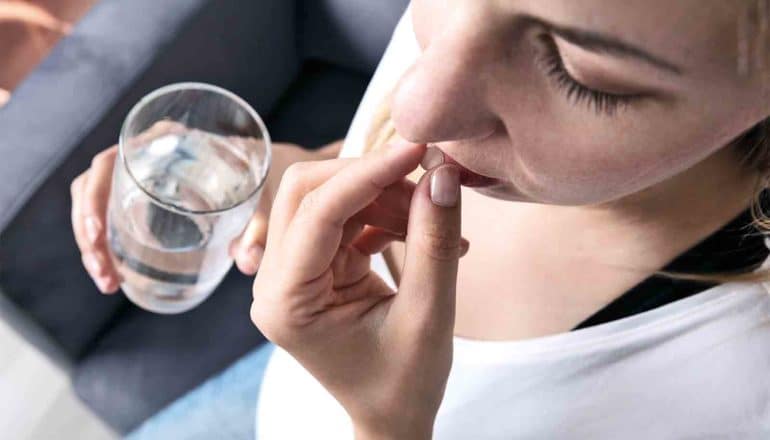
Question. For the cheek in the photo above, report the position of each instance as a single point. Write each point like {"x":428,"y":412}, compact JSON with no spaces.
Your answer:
{"x":426,"y":15}
{"x":590,"y":164}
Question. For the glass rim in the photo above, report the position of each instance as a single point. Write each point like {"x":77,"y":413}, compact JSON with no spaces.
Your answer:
{"x":172,"y":88}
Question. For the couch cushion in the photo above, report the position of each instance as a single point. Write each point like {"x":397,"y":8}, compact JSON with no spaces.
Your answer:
{"x":349,"y":33}
{"x":145,"y":361}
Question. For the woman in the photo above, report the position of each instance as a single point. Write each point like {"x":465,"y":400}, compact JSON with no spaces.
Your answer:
{"x":600,"y":144}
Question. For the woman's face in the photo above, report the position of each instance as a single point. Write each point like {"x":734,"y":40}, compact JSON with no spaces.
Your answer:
{"x":577,"y":101}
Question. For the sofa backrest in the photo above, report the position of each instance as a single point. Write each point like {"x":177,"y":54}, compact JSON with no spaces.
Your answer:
{"x":349,"y":33}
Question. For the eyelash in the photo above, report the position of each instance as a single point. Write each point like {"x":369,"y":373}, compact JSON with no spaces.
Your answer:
{"x":601,"y":102}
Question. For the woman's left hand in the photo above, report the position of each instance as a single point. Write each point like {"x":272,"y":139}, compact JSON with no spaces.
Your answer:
{"x":385,"y":356}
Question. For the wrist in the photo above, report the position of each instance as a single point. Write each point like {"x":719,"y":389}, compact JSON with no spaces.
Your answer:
{"x":396,"y":431}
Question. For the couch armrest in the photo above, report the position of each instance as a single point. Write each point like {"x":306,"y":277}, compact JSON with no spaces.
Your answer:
{"x":71,"y":89}
{"x":86,"y":73}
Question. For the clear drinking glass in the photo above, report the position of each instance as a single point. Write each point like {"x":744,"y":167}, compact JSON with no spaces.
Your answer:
{"x":192,"y":161}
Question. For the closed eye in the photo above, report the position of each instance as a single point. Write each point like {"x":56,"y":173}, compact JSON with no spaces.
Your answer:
{"x":602,"y":102}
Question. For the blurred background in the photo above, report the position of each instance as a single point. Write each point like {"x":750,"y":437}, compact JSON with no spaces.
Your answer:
{"x":74,"y":363}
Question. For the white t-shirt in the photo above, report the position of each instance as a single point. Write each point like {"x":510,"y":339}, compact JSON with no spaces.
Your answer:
{"x":698,"y":368}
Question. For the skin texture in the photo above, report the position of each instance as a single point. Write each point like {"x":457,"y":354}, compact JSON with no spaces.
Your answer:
{"x":370,"y":347}
{"x":609,"y":198}
{"x":547,"y":149}
{"x":90,"y":193}
{"x":615,"y":196}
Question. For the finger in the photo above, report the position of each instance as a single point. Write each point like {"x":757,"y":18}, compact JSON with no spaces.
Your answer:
{"x":377,"y":215}
{"x":101,"y":271}
{"x":95,"y":263}
{"x":96,"y":193}
{"x":249,"y":248}
{"x":298,"y":179}
{"x":76,"y":213}
{"x":91,"y":204}
{"x":433,"y":248}
{"x":325,"y":209}
{"x":302,"y":177}
{"x":397,"y":198}
{"x":374,"y":240}
{"x":389,"y":211}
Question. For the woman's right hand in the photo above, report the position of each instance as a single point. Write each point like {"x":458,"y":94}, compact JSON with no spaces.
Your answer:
{"x":91,"y":192}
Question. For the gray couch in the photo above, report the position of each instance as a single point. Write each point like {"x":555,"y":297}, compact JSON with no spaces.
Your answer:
{"x":303,"y":64}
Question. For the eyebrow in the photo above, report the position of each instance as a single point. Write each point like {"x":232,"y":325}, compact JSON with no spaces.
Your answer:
{"x":599,"y":43}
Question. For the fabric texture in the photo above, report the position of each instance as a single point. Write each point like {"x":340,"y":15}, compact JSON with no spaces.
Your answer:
{"x":693,"y":368}
{"x":108,"y":48}
{"x":736,"y":246}
{"x":220,"y":408}
{"x":67,"y":111}
{"x":350,"y":34}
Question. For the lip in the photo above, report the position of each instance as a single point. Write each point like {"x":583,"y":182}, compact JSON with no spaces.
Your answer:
{"x":470,"y":178}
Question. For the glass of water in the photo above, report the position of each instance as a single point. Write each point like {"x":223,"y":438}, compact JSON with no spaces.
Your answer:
{"x":192,"y":162}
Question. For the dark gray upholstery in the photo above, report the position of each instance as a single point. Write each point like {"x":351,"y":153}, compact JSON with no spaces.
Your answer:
{"x":80,"y":80}
{"x":48,"y":283}
{"x":348,"y":33}
{"x":126,"y":364}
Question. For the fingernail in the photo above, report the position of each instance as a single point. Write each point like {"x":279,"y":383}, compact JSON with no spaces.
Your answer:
{"x":93,"y":228}
{"x":445,"y":186}
{"x":433,"y":157}
{"x":92,"y":264}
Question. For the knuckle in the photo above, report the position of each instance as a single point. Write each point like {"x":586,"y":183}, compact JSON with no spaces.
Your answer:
{"x":77,"y":184}
{"x":293,"y":179}
{"x":295,"y":172}
{"x":308,"y":204}
{"x":103,"y":158}
{"x":440,"y":242}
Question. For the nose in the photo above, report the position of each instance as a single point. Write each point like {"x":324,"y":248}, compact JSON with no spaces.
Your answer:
{"x":442,"y":97}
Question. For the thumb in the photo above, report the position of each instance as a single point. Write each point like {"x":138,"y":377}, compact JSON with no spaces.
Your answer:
{"x":433,"y":249}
